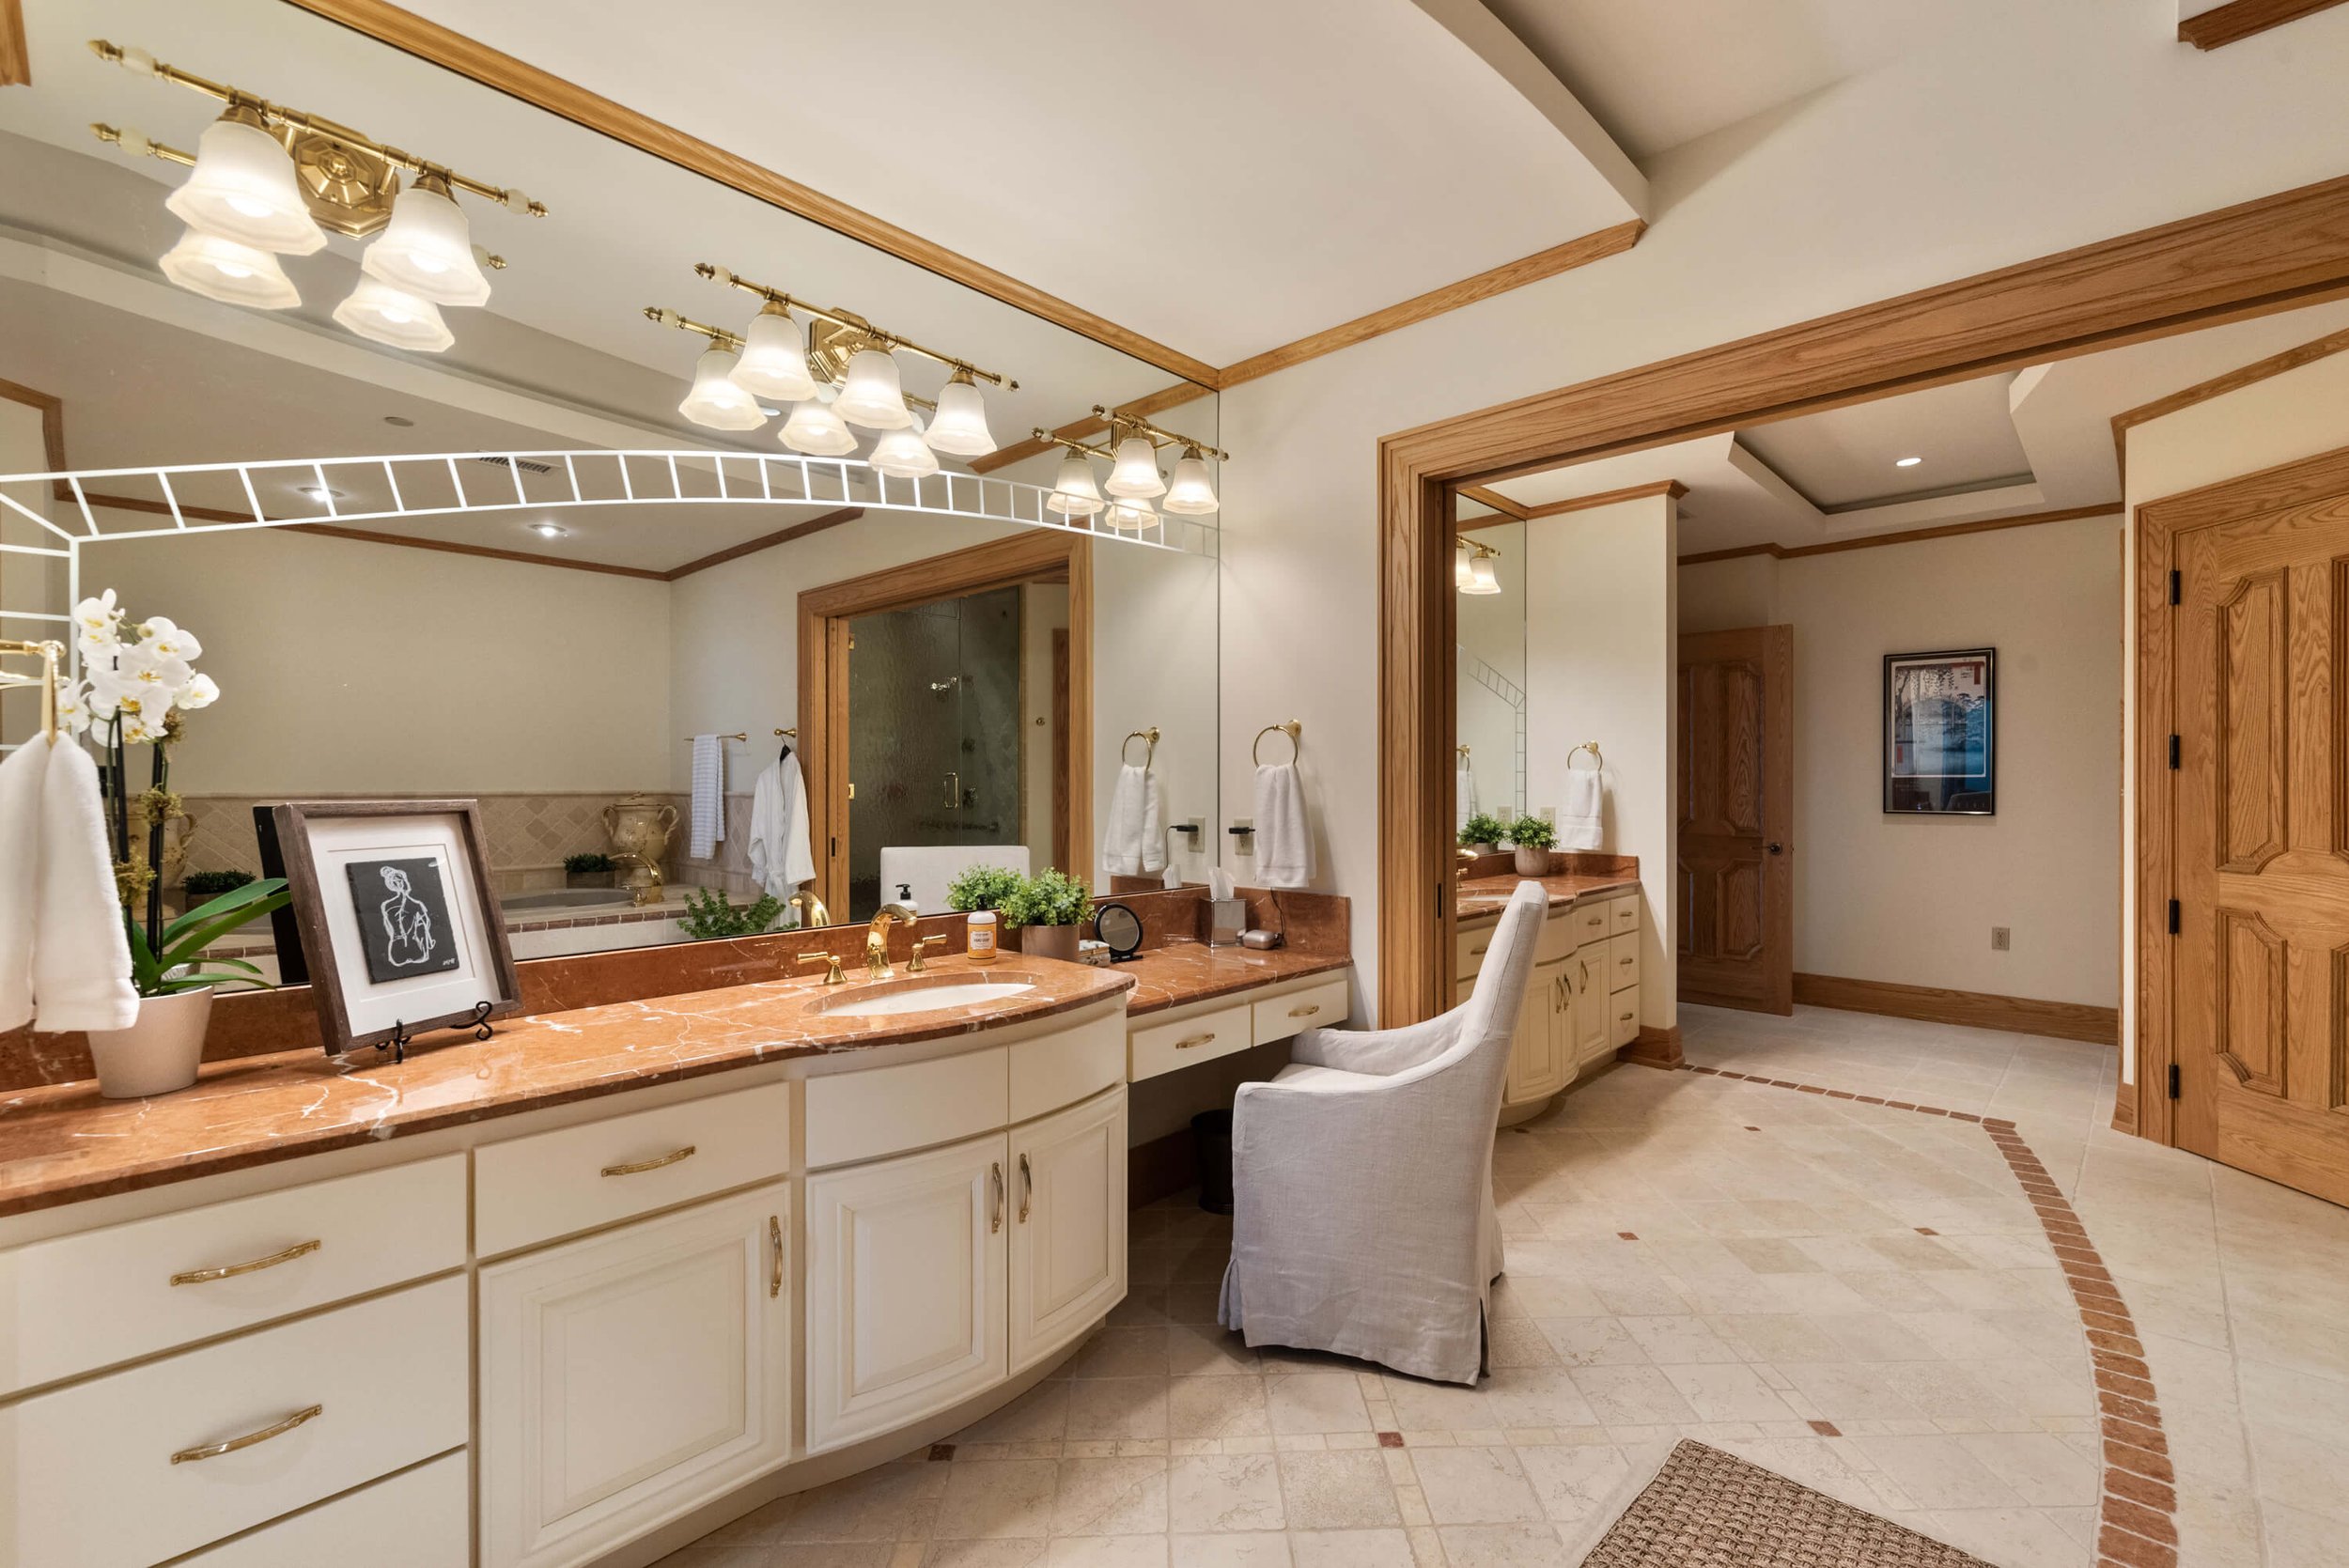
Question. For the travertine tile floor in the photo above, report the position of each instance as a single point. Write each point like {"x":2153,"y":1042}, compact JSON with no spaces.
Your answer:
{"x":1692,"y":1256}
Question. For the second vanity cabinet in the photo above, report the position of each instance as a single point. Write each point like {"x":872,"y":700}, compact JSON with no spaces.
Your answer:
{"x":1582,"y":1002}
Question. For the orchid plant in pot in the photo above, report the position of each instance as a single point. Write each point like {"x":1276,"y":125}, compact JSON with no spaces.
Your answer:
{"x":138,"y":681}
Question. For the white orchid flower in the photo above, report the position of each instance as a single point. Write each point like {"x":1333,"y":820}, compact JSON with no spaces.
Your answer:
{"x":136,"y":728}
{"x":73,"y":710}
{"x":165,"y":640}
{"x":200,"y":691}
{"x":148,"y":668}
{"x":106,"y":694}
{"x":97,"y":622}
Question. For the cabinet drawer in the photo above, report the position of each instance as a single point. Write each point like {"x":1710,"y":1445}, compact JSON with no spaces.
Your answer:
{"x":1561,"y":933}
{"x":81,"y":1302}
{"x":1623,"y":914}
{"x":1060,"y":1069}
{"x":1590,"y":923}
{"x":1622,"y":1017}
{"x":1161,"y":1048}
{"x":1622,"y":961}
{"x":1317,"y":1006}
{"x":420,"y":1516}
{"x":1468,"y":951}
{"x":92,"y":1479}
{"x":552,"y":1183}
{"x":880,"y":1110}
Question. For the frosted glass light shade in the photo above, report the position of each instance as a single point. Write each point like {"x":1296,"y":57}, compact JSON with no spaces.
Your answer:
{"x":1482,"y":579}
{"x":871,"y":394}
{"x":1074,"y":493}
{"x":774,"y":358}
{"x":427,"y":248}
{"x":815,"y":428}
{"x":1192,"y":493}
{"x":959,"y":426}
{"x":242,"y":188}
{"x":1463,"y":572}
{"x":905,"y":455}
{"x":1128,"y":514}
{"x":715,"y":400}
{"x":232,"y":273}
{"x":1136,"y":470}
{"x":393,"y":316}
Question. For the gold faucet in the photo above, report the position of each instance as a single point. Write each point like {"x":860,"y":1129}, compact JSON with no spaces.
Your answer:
{"x":812,"y":910}
{"x":877,"y":937}
{"x":832,"y":967}
{"x":649,"y":891}
{"x":915,"y":966}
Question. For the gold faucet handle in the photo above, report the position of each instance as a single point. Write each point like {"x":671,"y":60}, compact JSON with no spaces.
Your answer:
{"x":915,"y":966}
{"x":832,"y":971}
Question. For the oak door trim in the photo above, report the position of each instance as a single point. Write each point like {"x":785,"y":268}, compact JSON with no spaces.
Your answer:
{"x":2158,"y":525}
{"x":16,"y":57}
{"x":1040,"y":555}
{"x":2260,"y":256}
{"x":2239,"y":19}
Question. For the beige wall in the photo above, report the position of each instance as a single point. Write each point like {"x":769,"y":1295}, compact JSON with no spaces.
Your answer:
{"x":1912,"y":899}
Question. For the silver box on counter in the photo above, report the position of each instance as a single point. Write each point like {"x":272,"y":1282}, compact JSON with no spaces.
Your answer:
{"x":1226,"y":919}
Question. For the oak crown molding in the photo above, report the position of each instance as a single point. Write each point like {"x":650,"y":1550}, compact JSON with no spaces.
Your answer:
{"x":1671,"y":489}
{"x":2220,"y":385}
{"x":2240,"y":19}
{"x":1907,"y":536}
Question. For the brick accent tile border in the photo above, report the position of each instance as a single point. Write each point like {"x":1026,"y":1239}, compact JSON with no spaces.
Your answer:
{"x":2137,"y":1525}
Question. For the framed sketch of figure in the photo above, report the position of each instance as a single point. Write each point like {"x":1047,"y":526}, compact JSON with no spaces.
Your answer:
{"x":1940,"y":732}
{"x":398,"y":929}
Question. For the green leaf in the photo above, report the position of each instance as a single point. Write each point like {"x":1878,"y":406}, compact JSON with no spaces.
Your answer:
{"x":266,"y":888}
{"x":185,"y":948}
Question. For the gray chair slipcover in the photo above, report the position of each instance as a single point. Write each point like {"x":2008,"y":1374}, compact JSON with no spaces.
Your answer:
{"x":1362,"y":1176}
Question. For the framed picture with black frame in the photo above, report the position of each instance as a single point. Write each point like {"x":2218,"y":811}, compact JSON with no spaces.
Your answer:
{"x":1940,"y":732}
{"x":398,"y":927}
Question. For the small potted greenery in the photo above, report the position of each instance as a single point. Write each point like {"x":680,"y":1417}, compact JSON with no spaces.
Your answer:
{"x":708,"y":916}
{"x":591,"y":870}
{"x":1048,"y":908}
{"x":1532,"y":838}
{"x":982,"y":887}
{"x":1482,"y":833}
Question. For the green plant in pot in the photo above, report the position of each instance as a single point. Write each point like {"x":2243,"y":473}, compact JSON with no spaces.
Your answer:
{"x":708,"y":917}
{"x":1048,"y":910}
{"x":1482,"y":833}
{"x":1532,"y":837}
{"x":594,"y":869}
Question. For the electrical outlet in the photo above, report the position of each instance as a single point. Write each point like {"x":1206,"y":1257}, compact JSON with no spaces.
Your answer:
{"x":1244,"y":836}
{"x":2000,"y":939}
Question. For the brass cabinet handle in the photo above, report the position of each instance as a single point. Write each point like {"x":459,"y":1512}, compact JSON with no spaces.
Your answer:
{"x":214,"y":1451}
{"x":1624,"y":962}
{"x":637,"y":1166}
{"x":1027,"y":1188}
{"x":1305,"y":1012}
{"x":1626,"y":1018}
{"x":1208,"y":1038}
{"x":1478,"y":952}
{"x":230,"y":1270}
{"x":774,"y":1269}
{"x":995,"y":1197}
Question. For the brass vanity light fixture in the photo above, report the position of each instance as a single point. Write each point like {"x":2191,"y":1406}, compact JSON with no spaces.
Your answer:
{"x":1472,"y":573}
{"x":264,"y":178}
{"x":1131,"y":451}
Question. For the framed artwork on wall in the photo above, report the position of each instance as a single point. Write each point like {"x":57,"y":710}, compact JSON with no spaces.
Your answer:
{"x":1940,"y":732}
{"x":398,"y":928}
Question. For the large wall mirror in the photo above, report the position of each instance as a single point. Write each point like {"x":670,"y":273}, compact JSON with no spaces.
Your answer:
{"x":475,"y":594}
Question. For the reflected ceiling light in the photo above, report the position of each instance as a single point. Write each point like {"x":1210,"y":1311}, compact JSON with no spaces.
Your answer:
{"x":1074,"y":493}
{"x":872,"y":396}
{"x":395,"y":318}
{"x":319,"y":492}
{"x":427,"y":248}
{"x":1906,"y":462}
{"x":1193,"y":491}
{"x":1135,"y":472}
{"x":817,"y":429}
{"x":716,"y":401}
{"x":774,"y":357}
{"x":1461,"y":560}
{"x":1130,"y":515}
{"x":959,"y":427}
{"x":275,"y":179}
{"x":234,"y":274}
{"x":905,"y":454}
{"x":1475,"y":573}
{"x":549,"y":530}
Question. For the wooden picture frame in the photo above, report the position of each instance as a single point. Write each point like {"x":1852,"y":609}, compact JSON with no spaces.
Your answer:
{"x":438,"y":916}
{"x":1940,"y":732}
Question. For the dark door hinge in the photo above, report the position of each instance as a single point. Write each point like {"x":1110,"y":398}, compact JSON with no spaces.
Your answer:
{"x":2173,"y":917}
{"x":2174,"y":752}
{"x":2173,"y":1080}
{"x":2177,"y":587}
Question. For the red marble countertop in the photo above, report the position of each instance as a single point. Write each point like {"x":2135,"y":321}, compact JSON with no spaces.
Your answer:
{"x":1187,"y":971}
{"x":1482,"y":897}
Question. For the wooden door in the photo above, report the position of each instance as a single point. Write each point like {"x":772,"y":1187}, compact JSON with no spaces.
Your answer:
{"x":632,"y":1375}
{"x":1067,"y":1173}
{"x":2260,"y":842}
{"x":1736,"y":939}
{"x":905,"y":1299}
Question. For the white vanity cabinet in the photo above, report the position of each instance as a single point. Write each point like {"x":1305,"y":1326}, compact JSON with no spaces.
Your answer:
{"x":632,"y":1375}
{"x":1068,"y":1224}
{"x":1582,"y":1001}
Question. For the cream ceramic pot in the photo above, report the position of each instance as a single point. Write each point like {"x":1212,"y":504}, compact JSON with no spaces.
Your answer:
{"x":640,"y":827}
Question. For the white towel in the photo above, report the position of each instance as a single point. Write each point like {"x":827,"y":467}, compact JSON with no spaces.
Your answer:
{"x":23,"y":772}
{"x":709,"y":797}
{"x":1582,"y":798}
{"x":81,"y":962}
{"x":1284,"y":842}
{"x":1135,"y":843}
{"x":1464,"y":796}
{"x":780,"y":855}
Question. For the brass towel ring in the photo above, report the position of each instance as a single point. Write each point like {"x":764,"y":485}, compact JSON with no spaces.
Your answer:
{"x":1149,"y":739}
{"x":1591,"y":747}
{"x":1293,"y":728}
{"x":49,"y":653}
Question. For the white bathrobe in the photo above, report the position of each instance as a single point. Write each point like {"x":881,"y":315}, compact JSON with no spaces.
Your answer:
{"x":1135,"y":842}
{"x":780,"y":857}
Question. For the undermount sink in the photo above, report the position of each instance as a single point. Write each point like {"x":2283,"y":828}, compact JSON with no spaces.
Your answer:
{"x":890,"y":998}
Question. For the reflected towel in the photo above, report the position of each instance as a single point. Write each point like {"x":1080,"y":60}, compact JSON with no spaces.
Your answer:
{"x":1135,"y":842}
{"x":81,"y":961}
{"x":1284,"y":841}
{"x":1464,"y":796}
{"x":23,"y":772}
{"x":709,"y":797}
{"x":1582,"y":799}
{"x":780,"y":855}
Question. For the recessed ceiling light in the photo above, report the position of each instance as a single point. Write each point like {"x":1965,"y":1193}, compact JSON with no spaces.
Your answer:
{"x":398,"y":420}
{"x":1906,"y":462}
{"x":319,"y":492}
{"x":549,"y":530}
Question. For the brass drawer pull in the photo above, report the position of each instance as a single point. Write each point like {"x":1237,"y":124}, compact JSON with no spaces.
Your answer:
{"x":774,"y":1270}
{"x":230,"y":1270}
{"x":1208,"y":1038}
{"x":1626,"y":962}
{"x":1626,"y":1018}
{"x":995,"y":1197}
{"x":1027,"y":1188}
{"x":1306,"y":1012}
{"x":214,"y":1451}
{"x":636,"y":1167}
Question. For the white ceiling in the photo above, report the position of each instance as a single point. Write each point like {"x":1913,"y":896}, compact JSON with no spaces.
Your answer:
{"x":1846,"y":457}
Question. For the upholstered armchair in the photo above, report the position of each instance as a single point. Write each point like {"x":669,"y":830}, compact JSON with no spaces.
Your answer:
{"x":1362,"y":1176}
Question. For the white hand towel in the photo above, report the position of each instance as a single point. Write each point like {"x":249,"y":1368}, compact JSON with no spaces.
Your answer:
{"x":1284,"y":841}
{"x":81,"y":963}
{"x":23,"y":772}
{"x":1582,"y":800}
{"x":1464,"y":796}
{"x":780,"y":855}
{"x":1134,"y":844}
{"x":709,"y":797}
